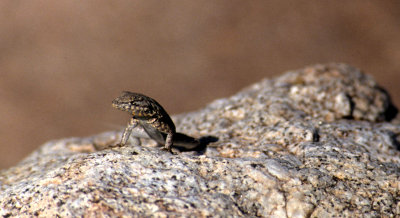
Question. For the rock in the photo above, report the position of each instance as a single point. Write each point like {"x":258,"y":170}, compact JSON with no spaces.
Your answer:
{"x":315,"y":142}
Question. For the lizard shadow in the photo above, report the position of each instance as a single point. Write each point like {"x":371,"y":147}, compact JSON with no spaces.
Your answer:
{"x":192,"y":144}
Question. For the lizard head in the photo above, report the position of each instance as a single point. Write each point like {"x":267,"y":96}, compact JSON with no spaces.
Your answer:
{"x":126,"y":101}
{"x":137,"y":104}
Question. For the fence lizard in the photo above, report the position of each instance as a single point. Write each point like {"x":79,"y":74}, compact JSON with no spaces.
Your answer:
{"x":149,"y":114}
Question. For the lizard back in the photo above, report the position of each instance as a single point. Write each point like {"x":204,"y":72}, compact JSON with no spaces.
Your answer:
{"x":145,"y":109}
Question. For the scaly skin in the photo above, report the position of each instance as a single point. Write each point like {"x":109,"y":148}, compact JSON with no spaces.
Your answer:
{"x":149,"y":114}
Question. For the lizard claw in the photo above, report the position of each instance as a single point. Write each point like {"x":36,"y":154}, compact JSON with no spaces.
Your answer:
{"x":170,"y":150}
{"x":117,"y":145}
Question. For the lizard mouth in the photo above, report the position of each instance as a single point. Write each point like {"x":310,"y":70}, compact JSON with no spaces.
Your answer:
{"x":119,"y":106}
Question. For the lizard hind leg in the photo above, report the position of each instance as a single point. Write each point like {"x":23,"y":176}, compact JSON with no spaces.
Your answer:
{"x":169,"y":142}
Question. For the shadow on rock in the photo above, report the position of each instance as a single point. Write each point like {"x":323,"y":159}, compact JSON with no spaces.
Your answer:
{"x":185,"y":143}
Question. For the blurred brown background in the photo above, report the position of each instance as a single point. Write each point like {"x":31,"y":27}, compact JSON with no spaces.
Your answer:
{"x":62,"y":62}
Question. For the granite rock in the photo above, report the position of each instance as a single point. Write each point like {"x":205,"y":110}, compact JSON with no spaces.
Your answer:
{"x":318,"y":142}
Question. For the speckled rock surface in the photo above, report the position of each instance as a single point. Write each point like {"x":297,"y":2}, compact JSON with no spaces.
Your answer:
{"x":316,"y":142}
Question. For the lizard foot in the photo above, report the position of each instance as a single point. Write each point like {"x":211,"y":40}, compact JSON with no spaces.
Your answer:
{"x":170,"y":150}
{"x":116,"y":145}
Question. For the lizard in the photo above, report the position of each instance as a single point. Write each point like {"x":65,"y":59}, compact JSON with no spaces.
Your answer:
{"x":155,"y":121}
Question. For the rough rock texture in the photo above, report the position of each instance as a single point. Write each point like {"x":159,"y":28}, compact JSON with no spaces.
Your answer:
{"x":311,"y":143}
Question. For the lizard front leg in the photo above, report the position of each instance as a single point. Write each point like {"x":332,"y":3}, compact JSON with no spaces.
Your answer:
{"x":128,"y":130}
